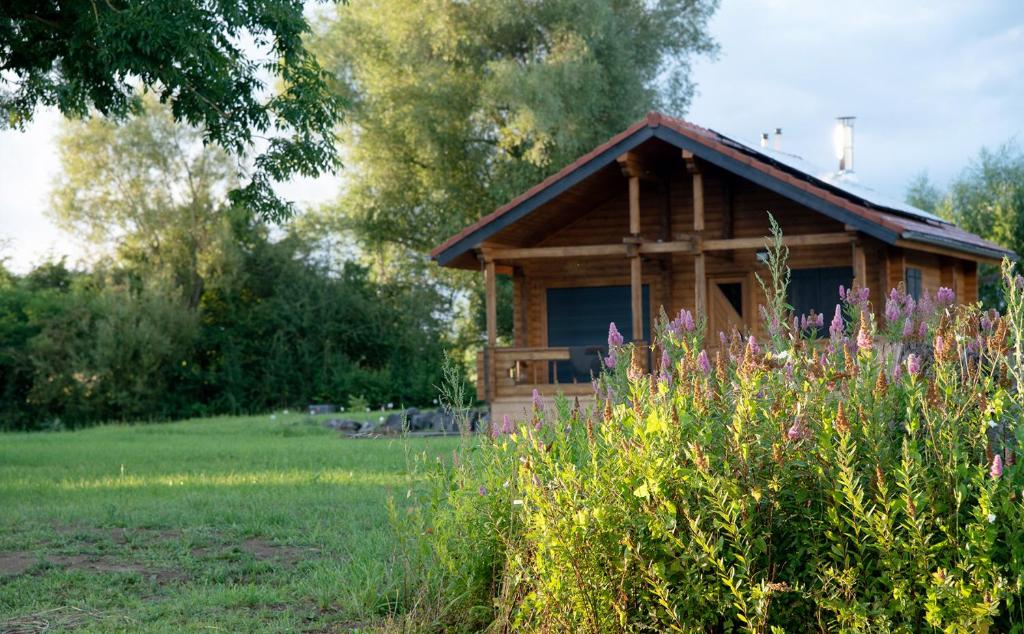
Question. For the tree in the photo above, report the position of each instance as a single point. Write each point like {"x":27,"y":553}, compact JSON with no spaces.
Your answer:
{"x":458,"y":106}
{"x":206,"y":60}
{"x":149,"y":190}
{"x":986,"y":198}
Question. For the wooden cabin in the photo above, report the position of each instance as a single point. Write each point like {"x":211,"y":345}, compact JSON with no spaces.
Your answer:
{"x":669,"y":214}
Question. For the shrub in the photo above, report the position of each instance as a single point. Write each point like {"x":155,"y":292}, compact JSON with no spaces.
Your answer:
{"x":829,"y":479}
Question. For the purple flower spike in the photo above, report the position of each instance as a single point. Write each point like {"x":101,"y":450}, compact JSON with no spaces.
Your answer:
{"x":614,"y":337}
{"x":997,"y":467}
{"x":892,"y":311}
{"x":609,"y":361}
{"x":837,"y":328}
{"x":923,"y":330}
{"x":908,"y":327}
{"x":723,"y":338}
{"x":482,"y":490}
{"x":913,"y":365}
{"x":755,"y":349}
{"x":506,"y":424}
{"x":703,"y":362}
{"x":538,"y":403}
{"x":842,"y":292}
{"x":945,"y":295}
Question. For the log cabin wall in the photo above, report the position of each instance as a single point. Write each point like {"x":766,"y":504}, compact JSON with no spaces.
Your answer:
{"x":734,"y":208}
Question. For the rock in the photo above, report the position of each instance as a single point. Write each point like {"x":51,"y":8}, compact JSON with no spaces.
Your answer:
{"x":343,"y":425}
{"x":393,"y":424}
{"x":323,"y":408}
{"x":421,"y":422}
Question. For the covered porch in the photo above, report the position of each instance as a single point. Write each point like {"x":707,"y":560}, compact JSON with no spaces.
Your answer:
{"x":566,"y":293}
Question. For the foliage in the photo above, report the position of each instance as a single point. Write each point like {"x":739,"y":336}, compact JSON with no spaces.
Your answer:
{"x":277,"y":329}
{"x":459,"y":106}
{"x":829,"y":482}
{"x":987,"y":198}
{"x":149,"y":191}
{"x":208,"y":61}
{"x":266,"y":524}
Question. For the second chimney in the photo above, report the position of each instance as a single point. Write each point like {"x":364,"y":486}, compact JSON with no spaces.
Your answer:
{"x":778,"y":139}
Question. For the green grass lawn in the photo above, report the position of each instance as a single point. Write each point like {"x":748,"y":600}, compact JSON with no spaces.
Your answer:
{"x":229,"y":524}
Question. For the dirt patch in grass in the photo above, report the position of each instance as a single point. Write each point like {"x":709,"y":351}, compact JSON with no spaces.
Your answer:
{"x":260,"y":549}
{"x":15,"y":563}
{"x":101,"y":563}
{"x":120,"y":536}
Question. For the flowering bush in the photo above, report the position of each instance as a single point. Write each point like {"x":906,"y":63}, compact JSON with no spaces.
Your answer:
{"x":859,"y":478}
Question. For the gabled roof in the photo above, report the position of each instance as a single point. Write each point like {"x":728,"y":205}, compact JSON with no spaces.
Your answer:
{"x":862,"y":208}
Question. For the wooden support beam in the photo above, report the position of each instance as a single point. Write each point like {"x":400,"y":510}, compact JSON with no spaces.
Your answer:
{"x":491,"y":299}
{"x":530,"y":253}
{"x":634,"y":165}
{"x":591,"y":250}
{"x":810,"y":239}
{"x":860,"y":266}
{"x":698,"y":190}
{"x":675,"y":246}
{"x":700,"y":286}
{"x":636,"y":289}
{"x":634,"y":205}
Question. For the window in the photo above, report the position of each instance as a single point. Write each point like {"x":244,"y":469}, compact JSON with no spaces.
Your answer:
{"x":912,"y":280}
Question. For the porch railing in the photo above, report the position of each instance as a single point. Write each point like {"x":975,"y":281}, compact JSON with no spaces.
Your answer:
{"x":516,"y":372}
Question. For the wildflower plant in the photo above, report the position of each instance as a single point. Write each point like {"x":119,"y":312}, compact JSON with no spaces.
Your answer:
{"x":860,"y":481}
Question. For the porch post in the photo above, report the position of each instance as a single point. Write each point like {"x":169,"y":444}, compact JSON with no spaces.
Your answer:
{"x":700,"y":284}
{"x":636,"y":288}
{"x":860,"y":267}
{"x":490,"y":285}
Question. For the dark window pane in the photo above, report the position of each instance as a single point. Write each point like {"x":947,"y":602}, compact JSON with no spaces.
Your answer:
{"x":818,"y":289}
{"x":579,"y":318}
{"x":912,"y":280}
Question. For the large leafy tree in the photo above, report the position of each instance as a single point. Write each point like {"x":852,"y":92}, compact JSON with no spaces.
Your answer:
{"x":986,"y":198}
{"x":211,"y":61}
{"x":458,"y":106}
{"x":150,"y":192}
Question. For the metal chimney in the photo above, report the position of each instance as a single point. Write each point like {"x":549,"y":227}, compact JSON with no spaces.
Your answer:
{"x":842,"y":140}
{"x":778,"y":139}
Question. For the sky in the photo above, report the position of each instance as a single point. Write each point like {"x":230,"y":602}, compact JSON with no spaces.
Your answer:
{"x":930,"y":82}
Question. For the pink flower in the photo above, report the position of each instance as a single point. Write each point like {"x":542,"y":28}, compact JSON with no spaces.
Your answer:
{"x":908,"y":327}
{"x":506,"y":424}
{"x":986,"y":323}
{"x":703,"y":362}
{"x":864,"y":339}
{"x":842,"y":292}
{"x":913,"y":365}
{"x":797,"y":431}
{"x":614,"y":337}
{"x":538,"y":403}
{"x":923,"y":330}
{"x":482,"y":490}
{"x":788,"y":370}
{"x":837,"y":328}
{"x":755,"y":350}
{"x":997,"y":467}
{"x":723,"y":338}
{"x":945,"y":295}
{"x":897,"y":373}
{"x":609,"y":361}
